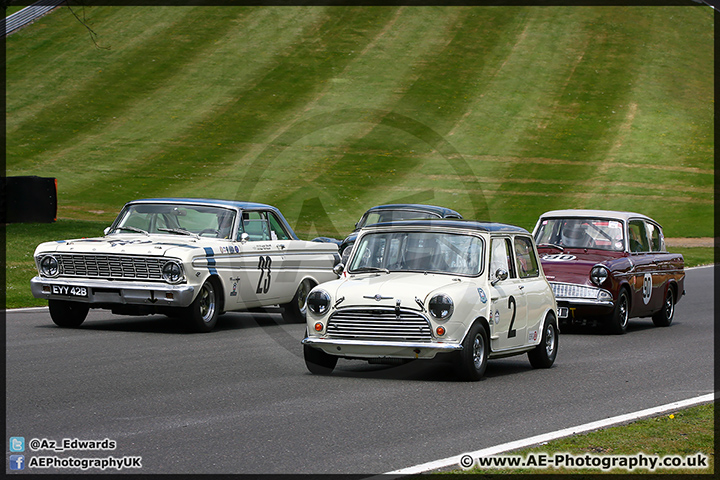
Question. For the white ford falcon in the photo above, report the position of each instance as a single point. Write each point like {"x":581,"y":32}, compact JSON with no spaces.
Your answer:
{"x":188,"y":258}
{"x":416,"y":289}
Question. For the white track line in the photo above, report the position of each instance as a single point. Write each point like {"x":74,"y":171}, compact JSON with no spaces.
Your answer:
{"x":506,"y":447}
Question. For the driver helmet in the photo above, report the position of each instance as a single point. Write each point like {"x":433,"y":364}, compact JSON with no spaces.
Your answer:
{"x":573,"y":234}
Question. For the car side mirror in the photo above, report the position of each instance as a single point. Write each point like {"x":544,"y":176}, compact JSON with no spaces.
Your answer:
{"x":338,"y":269}
{"x":244,"y":237}
{"x":106,"y":231}
{"x":500,"y":275}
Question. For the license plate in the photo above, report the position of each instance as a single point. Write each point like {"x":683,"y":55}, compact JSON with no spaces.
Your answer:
{"x":69,"y":291}
{"x":563,"y":312}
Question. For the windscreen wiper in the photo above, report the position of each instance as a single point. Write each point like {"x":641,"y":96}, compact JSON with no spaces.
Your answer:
{"x":133,"y":229}
{"x":179,"y":231}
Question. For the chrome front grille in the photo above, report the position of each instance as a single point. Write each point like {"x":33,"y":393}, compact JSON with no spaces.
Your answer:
{"x":110,"y":266}
{"x":379,"y":323}
{"x":569,"y":290}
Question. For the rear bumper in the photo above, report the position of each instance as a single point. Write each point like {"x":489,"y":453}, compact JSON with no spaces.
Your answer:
{"x":379,"y":348}
{"x":115,"y":292}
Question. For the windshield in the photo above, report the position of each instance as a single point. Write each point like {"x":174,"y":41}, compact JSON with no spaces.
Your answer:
{"x":597,"y":233}
{"x":419,"y":251}
{"x":181,"y":219}
{"x":379,"y":216}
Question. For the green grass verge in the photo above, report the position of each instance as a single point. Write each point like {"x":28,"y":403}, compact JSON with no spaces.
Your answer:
{"x":685,"y":433}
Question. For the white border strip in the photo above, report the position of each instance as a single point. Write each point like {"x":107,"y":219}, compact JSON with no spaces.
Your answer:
{"x":505,"y":447}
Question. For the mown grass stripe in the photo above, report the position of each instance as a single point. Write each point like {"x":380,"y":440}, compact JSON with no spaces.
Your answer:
{"x":139,"y":72}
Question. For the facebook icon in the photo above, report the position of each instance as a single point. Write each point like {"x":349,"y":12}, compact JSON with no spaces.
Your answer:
{"x":17,"y":462}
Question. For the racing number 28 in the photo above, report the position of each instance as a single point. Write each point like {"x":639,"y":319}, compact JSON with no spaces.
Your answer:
{"x":264,"y":282}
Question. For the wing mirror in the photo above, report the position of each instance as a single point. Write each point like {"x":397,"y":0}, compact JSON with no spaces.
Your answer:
{"x":106,"y":231}
{"x":500,"y":275}
{"x":244,"y":237}
{"x":338,"y":269}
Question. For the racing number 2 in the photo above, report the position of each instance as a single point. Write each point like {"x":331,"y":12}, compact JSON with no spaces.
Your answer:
{"x":513,"y":305}
{"x":264,"y":281}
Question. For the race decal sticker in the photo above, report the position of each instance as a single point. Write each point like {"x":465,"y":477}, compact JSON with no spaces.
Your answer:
{"x":647,"y":288}
{"x":483,"y":298}
{"x":559,"y":257}
{"x":532,"y":335}
{"x":497,"y":317}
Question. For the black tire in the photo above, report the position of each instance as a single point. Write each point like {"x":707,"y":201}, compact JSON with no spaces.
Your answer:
{"x":294,"y":312}
{"x":203,"y":312}
{"x":618,"y":321}
{"x":68,"y":314}
{"x":543,"y":356}
{"x":664,"y":317}
{"x":319,"y":362}
{"x":471,"y":361}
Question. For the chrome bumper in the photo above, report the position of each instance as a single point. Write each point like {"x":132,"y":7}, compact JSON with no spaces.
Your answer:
{"x":116,"y":292}
{"x":380,"y":348}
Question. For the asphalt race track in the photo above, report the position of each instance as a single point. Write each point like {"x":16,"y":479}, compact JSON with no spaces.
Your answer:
{"x":240,"y":400}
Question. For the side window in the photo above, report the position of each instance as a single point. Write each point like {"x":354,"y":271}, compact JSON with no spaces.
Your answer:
{"x":277,"y":232}
{"x":656,"y":238}
{"x":638,"y":236}
{"x":256,"y":226}
{"x":527,"y":265}
{"x":500,"y":257}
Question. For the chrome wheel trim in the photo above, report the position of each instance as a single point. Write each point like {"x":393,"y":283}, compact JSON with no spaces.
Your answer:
{"x":478,"y":352}
{"x":623,"y":312}
{"x":669,"y":305}
{"x":207,"y":302}
{"x":549,"y":339}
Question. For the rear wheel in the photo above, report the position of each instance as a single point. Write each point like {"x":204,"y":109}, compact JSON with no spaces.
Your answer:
{"x":619,"y":319}
{"x":202,"y":313}
{"x":664,"y":317}
{"x":294,"y":311}
{"x":472,"y":360}
{"x":319,"y":362}
{"x":68,"y":314}
{"x":543,"y":356}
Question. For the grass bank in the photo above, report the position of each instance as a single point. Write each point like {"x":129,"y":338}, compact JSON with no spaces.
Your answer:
{"x":684,"y":433}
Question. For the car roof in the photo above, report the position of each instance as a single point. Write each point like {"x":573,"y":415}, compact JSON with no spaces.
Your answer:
{"x":587,"y":213}
{"x":207,"y":201}
{"x":488,"y":227}
{"x":442,"y":211}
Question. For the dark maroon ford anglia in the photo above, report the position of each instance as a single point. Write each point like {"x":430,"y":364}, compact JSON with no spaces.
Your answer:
{"x":609,"y":267}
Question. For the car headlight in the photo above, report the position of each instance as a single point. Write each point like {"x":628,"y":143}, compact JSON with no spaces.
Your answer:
{"x":599,"y":274}
{"x":172,"y":272}
{"x":49,"y":266}
{"x":441,"y":306}
{"x":318,"y":301}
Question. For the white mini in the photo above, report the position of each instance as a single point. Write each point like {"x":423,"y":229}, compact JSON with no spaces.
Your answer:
{"x":417,"y":289}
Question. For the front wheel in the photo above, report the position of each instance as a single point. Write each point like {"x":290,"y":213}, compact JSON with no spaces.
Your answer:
{"x":202,"y":313}
{"x":471,"y":362}
{"x":294,"y":311}
{"x":619,"y":319}
{"x":543,"y":356}
{"x":319,"y":362}
{"x":664,"y":317}
{"x":68,"y":314}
